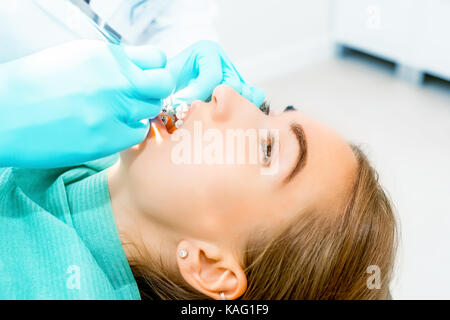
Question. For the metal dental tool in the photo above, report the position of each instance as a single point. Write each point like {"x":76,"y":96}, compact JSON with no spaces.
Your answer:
{"x":104,"y":28}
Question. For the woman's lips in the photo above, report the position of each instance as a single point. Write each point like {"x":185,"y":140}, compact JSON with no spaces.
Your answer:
{"x":180,"y":118}
{"x":160,"y":131}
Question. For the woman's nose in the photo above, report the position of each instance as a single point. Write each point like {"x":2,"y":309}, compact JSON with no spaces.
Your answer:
{"x":224,"y":99}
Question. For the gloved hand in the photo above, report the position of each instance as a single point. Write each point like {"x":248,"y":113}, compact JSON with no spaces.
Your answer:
{"x":203,"y":66}
{"x":79,"y":101}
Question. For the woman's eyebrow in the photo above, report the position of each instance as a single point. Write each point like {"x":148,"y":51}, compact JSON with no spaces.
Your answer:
{"x":299,"y":133}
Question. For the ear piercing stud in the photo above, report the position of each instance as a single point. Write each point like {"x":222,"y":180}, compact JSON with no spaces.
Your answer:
{"x":222,"y":295}
{"x":183,"y":253}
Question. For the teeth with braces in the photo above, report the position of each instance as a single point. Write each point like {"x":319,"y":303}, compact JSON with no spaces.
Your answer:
{"x":164,"y":119}
{"x":180,"y":115}
{"x":168,"y":113}
{"x":178,"y":123}
{"x":183,"y":107}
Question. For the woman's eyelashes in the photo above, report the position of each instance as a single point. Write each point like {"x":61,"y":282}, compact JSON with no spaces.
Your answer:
{"x":289,"y":108}
{"x":265,"y":107}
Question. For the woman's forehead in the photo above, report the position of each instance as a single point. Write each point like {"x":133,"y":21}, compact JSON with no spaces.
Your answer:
{"x":330,"y":166}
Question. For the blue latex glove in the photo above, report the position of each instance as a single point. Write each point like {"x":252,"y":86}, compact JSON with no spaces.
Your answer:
{"x":79,"y":101}
{"x":202,"y":67}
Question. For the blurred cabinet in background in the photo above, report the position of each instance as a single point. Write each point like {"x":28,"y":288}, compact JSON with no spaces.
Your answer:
{"x":414,"y":34}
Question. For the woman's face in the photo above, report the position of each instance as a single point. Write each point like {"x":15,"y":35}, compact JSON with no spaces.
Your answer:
{"x":219,"y":191}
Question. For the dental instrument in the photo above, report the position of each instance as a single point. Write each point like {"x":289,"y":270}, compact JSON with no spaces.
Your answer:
{"x":102,"y":26}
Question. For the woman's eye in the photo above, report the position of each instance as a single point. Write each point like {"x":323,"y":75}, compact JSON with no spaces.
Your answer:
{"x":265,"y":107}
{"x":266,"y":147}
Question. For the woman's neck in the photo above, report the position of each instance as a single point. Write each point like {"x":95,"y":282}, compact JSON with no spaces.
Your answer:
{"x":142,"y":238}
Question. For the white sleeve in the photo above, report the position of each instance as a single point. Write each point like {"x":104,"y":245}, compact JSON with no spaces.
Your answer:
{"x":181,"y":24}
{"x":171,"y":25}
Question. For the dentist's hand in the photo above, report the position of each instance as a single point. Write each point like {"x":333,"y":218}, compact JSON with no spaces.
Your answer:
{"x":79,"y":101}
{"x":203,"y":66}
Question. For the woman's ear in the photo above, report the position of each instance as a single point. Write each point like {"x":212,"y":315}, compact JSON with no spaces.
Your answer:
{"x":211,"y":270}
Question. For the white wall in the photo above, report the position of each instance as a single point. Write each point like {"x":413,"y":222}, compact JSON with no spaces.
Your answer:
{"x":280,"y":35}
{"x":412,"y":33}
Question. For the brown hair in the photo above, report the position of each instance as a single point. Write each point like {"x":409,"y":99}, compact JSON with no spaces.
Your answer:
{"x":318,"y":256}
